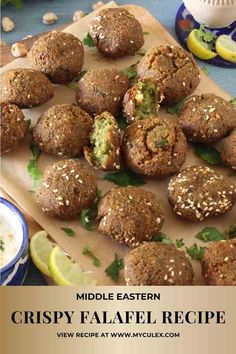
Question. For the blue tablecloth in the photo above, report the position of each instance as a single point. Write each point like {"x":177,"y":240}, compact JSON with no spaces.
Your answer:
{"x":29,"y":21}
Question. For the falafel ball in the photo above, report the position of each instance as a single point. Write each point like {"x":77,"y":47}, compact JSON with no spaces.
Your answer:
{"x":102,"y":90}
{"x":67,"y":187}
{"x":63,"y":130}
{"x":104,"y":149}
{"x":130,"y":215}
{"x":116,"y":32}
{"x":174,"y":69}
{"x":154,"y":147}
{"x":142,"y":101}
{"x":13,"y":127}
{"x":228,"y":151}
{"x":25,"y":87}
{"x":59,"y":55}
{"x":207,"y":118}
{"x":219,"y":263}
{"x":155,"y":263}
{"x":198,"y":192}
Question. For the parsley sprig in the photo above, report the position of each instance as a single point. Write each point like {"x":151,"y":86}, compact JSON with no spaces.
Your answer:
{"x":114,"y":268}
{"x":124,"y":178}
{"x":196,"y":252}
{"x":88,"y":252}
{"x":32,"y":167}
{"x":87,"y":216}
{"x":88,"y":41}
{"x":68,"y":231}
{"x":209,"y":154}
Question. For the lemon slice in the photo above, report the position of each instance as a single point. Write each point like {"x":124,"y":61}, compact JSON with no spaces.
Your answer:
{"x":226,"y":48}
{"x":199,"y":48}
{"x":66,"y":272}
{"x":40,"y":249}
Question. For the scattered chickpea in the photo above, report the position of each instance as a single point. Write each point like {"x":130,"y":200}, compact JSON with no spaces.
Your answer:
{"x":2,"y":43}
{"x":7,"y":24}
{"x":18,"y":50}
{"x":78,"y":15}
{"x":97,"y":5}
{"x":49,"y":18}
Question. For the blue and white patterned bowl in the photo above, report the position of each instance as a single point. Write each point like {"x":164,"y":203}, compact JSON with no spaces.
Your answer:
{"x":14,"y":272}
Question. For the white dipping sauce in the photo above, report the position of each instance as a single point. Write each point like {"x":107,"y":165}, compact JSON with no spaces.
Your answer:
{"x":10,"y":243}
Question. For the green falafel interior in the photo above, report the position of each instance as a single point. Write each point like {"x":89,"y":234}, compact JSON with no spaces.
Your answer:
{"x":99,"y":138}
{"x":146,"y":99}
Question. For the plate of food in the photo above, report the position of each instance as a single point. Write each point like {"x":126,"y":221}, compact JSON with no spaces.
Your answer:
{"x":117,"y":144}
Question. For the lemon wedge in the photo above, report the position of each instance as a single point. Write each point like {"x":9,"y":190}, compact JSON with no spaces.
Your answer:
{"x":226,"y":48}
{"x":40,"y":249}
{"x":66,"y":272}
{"x":199,"y":48}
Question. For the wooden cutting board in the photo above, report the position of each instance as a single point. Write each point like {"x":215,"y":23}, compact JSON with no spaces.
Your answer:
{"x":16,"y":182}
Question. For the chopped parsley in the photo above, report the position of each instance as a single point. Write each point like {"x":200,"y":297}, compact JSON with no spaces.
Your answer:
{"x":28,"y":123}
{"x":68,"y":231}
{"x":2,"y":247}
{"x":196,"y":252}
{"x":32,"y":167}
{"x":88,"y":215}
{"x":205,"y":70}
{"x":88,"y":252}
{"x":114,"y":268}
{"x":73,"y":84}
{"x":176,"y":108}
{"x":88,"y":41}
{"x":233,"y":101}
{"x":145,"y":33}
{"x":209,"y":154}
{"x":231,"y":232}
{"x":180,"y":243}
{"x":160,"y":237}
{"x":124,"y":178}
{"x":207,"y":37}
{"x":210,"y":234}
{"x":131,"y":71}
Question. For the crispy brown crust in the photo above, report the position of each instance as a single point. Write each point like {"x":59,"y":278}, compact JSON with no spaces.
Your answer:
{"x":129,"y":103}
{"x":102,"y":90}
{"x":207,"y":118}
{"x":130,"y":215}
{"x":155,"y":263}
{"x":219,"y":263}
{"x":63,"y":130}
{"x":228,"y":150}
{"x":143,"y":157}
{"x":116,"y":32}
{"x":59,"y":55}
{"x":174,"y":69}
{"x":13,"y":127}
{"x":113,"y":161}
{"x":67,"y":187}
{"x":198,"y":192}
{"x":25,"y":87}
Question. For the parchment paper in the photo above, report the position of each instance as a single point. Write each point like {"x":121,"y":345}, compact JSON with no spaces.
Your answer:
{"x":17,"y":183}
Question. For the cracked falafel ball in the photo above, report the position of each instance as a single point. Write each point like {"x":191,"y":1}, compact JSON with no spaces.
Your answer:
{"x":63,"y":130}
{"x":155,"y":263}
{"x":67,"y":187}
{"x":142,"y":101}
{"x":13,"y":127}
{"x":104,"y":149}
{"x":25,"y":87}
{"x":198,"y":192}
{"x":228,"y":151}
{"x":130,"y":215}
{"x":154,"y":147}
{"x":102,"y":90}
{"x":59,"y":55}
{"x":219,"y":263}
{"x":207,"y":118}
{"x":116,"y":32}
{"x":174,"y":70}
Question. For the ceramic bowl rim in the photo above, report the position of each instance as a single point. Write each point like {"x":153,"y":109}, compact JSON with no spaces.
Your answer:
{"x":25,"y":233}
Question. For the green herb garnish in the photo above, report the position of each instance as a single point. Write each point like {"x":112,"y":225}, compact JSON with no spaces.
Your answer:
{"x":73,"y":84}
{"x":124,"y":178}
{"x":88,"y":41}
{"x":145,"y":33}
{"x":160,"y":237}
{"x":205,"y":70}
{"x":208,"y":153}
{"x":87,"y":252}
{"x":88,"y":215}
{"x":196,"y":252}
{"x":231,"y":232}
{"x":114,"y":268}
{"x":28,"y":123}
{"x":179,"y":243}
{"x":233,"y":101}
{"x":32,"y":167}
{"x":207,"y":36}
{"x":176,"y":108}
{"x":2,"y":247}
{"x":68,"y":231}
{"x":210,"y":234}
{"x":18,"y":3}
{"x":131,"y":71}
